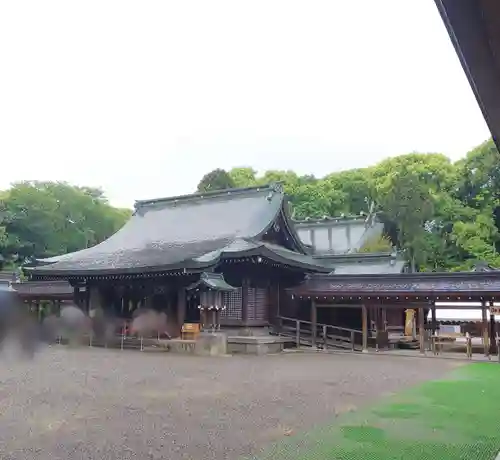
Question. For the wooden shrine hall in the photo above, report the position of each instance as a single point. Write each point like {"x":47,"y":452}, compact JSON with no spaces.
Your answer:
{"x":373,"y":296}
{"x":242,"y":238}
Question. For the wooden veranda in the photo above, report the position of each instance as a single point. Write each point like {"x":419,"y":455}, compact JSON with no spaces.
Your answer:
{"x":376,"y":295}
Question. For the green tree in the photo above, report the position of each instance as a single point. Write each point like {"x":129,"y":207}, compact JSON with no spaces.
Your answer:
{"x":243,"y":177}
{"x":43,"y":219}
{"x":380,"y":243}
{"x":218,"y":179}
{"x":406,"y":188}
{"x":357,"y":188}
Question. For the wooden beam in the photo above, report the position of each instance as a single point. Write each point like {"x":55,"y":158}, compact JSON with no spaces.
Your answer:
{"x":364,"y":321}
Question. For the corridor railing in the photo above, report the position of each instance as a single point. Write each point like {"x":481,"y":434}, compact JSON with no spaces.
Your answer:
{"x":320,"y":335}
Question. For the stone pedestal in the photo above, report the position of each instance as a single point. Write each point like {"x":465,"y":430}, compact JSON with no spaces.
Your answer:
{"x":211,"y":344}
{"x":256,"y":345}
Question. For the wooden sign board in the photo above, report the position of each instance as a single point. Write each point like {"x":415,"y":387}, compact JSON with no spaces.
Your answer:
{"x":190,"y":330}
{"x":494,"y":310}
{"x":190,"y":327}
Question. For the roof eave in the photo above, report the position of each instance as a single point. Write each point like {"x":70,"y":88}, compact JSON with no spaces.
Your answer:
{"x":471,"y":26}
{"x":187,"y":266}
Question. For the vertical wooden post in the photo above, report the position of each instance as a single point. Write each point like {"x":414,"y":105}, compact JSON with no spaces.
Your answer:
{"x":244,"y":301}
{"x":76,"y":296}
{"x":324,"y":338}
{"x":421,"y":329}
{"x":384,"y":319}
{"x":433,"y":334}
{"x":39,"y":311}
{"x":486,"y":345}
{"x":364,"y":321}
{"x":297,"y":333}
{"x":314,"y":322}
{"x":181,"y":305}
{"x":493,"y":338}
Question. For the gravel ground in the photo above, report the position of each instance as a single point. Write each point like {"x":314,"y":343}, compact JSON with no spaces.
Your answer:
{"x":104,"y":404}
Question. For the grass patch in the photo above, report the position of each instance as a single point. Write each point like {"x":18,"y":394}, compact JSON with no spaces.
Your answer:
{"x":456,"y":418}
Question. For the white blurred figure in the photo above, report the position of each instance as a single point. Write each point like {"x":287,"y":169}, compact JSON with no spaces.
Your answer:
{"x":15,"y":321}
{"x":74,"y":323}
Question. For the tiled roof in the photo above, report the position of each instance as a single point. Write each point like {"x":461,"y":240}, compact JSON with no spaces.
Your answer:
{"x":213,"y":281}
{"x":44,"y":289}
{"x":187,"y":232}
{"x":459,"y":283}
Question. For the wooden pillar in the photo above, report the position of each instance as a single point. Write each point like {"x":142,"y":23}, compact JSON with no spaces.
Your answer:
{"x":384,"y":318}
{"x":421,"y":329}
{"x":38,"y":311}
{"x":432,"y":338}
{"x":76,"y":296}
{"x":274,"y":303}
{"x":493,"y":335}
{"x":244,"y":301}
{"x":181,"y":305}
{"x":486,"y":345}
{"x":314,"y":322}
{"x":434,"y":322}
{"x":364,"y":327}
{"x":87,"y":298}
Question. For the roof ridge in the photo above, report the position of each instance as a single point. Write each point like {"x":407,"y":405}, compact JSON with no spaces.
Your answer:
{"x":335,"y":219}
{"x":275,"y":187}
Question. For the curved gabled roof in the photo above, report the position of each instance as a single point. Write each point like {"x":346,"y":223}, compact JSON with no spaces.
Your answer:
{"x":192,"y":232}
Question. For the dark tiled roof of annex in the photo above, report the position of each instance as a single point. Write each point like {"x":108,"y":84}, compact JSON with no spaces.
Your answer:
{"x":190,"y":232}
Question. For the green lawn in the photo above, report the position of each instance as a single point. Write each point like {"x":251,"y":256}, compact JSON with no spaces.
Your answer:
{"x":456,"y":418}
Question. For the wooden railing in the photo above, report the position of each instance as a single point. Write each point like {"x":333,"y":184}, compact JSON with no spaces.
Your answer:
{"x":321,"y":335}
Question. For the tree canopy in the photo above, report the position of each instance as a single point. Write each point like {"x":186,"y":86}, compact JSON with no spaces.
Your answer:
{"x":44,"y":219}
{"x":218,"y":179}
{"x":442,"y":215}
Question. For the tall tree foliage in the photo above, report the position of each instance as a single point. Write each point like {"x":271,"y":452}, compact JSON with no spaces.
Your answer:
{"x":443,"y":215}
{"x":43,"y":219}
{"x":218,"y":179}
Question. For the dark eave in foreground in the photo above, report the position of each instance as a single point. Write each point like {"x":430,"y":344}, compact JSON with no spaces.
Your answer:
{"x":439,"y":286}
{"x":474,"y":29}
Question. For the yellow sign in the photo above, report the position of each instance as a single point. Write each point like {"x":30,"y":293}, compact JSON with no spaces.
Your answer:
{"x":409,"y":322}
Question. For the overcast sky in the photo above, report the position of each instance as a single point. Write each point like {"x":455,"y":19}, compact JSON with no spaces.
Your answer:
{"x":144,"y":97}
